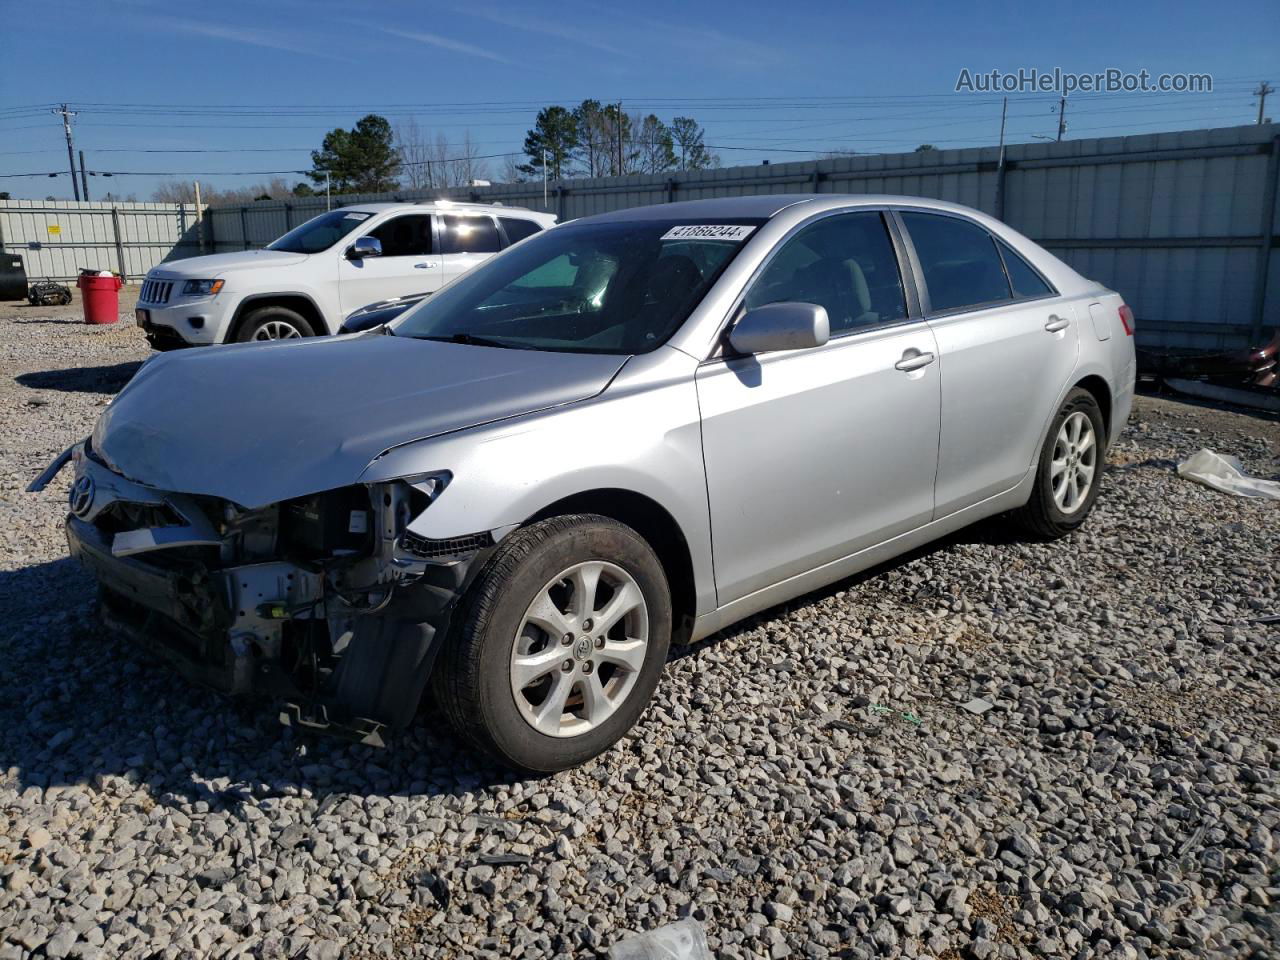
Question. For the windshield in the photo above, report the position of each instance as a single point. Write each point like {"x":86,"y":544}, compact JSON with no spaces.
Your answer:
{"x":320,"y":233}
{"x":621,"y":288}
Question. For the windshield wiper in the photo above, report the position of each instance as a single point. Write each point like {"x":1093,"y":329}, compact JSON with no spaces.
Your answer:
{"x":471,"y":340}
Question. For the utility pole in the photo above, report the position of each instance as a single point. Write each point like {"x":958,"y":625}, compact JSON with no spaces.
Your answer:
{"x":84,"y":178}
{"x":199,"y":219}
{"x":618,"y":120}
{"x":328,"y":196}
{"x":1261,"y":93}
{"x":999,"y":199}
{"x":544,"y":178}
{"x":71,"y":152}
{"x":1062,"y":117}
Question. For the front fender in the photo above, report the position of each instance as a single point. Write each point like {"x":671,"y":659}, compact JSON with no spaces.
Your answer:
{"x":639,"y":436}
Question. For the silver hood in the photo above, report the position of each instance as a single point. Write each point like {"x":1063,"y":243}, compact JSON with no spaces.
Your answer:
{"x":260,"y":423}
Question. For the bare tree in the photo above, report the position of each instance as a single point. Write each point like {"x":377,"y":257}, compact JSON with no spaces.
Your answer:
{"x":511,"y":170}
{"x":415,"y":155}
{"x":467,"y":166}
{"x":183,"y":191}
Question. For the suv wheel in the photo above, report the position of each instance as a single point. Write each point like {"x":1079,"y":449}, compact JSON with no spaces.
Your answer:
{"x":1069,"y":470}
{"x":559,"y":645}
{"x":274,"y":323}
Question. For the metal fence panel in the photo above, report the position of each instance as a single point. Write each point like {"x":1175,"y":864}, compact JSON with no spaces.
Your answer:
{"x":1182,"y":224}
{"x":59,"y":238}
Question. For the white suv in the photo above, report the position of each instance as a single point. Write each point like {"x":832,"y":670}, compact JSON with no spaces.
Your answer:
{"x":307,"y":281}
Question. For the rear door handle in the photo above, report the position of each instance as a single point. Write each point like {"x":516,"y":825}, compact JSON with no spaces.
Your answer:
{"x":1056,"y":323}
{"x":914,"y":362}
{"x":423,"y":266}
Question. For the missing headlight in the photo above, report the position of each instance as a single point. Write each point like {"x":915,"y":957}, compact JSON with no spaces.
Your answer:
{"x":329,"y":523}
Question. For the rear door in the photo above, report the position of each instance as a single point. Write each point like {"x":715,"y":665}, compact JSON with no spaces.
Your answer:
{"x":814,"y":454}
{"x":409,"y":263}
{"x":466,"y":241}
{"x":1007,"y":345}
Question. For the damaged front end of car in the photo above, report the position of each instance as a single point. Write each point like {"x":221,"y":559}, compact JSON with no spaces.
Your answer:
{"x":329,"y":602}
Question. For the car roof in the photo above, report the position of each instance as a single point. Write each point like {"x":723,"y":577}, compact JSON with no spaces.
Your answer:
{"x":450,"y":206}
{"x":766,"y":206}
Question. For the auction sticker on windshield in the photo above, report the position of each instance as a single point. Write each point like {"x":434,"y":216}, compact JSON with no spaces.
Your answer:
{"x":709,"y":231}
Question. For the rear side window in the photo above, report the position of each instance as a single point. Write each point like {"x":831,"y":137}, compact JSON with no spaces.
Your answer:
{"x":961,"y":265}
{"x":844,"y":263}
{"x":468,"y":235}
{"x":408,"y":236}
{"x":517,"y":229}
{"x":1023,"y":277}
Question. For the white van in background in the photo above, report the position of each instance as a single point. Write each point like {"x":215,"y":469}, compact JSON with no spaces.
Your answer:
{"x":306,"y":282}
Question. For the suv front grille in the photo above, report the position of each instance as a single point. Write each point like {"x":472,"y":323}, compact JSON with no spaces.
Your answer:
{"x":156,"y":291}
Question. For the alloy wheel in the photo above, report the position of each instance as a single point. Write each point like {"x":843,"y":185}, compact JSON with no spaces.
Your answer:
{"x":1075,"y":462}
{"x":277,"y":330}
{"x":580,"y":648}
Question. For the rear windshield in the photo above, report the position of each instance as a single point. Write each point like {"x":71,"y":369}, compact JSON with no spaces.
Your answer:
{"x":320,"y":233}
{"x":620,"y":288}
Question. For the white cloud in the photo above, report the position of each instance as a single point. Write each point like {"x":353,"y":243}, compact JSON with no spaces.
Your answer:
{"x":446,"y":43}
{"x":271,"y":40}
{"x":587,"y":38}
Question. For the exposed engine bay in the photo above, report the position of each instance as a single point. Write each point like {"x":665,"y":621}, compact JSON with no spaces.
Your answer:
{"x":329,"y":602}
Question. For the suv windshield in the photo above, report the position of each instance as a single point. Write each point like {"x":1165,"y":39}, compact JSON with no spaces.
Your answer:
{"x":320,"y":233}
{"x":622,"y":287}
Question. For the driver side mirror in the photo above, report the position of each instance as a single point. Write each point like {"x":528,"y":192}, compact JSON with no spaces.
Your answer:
{"x":780,"y":326}
{"x":364,"y":247}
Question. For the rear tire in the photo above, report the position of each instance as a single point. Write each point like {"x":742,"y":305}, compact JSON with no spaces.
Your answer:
{"x":543,"y":700}
{"x":1069,"y":470}
{"x":274,"y":323}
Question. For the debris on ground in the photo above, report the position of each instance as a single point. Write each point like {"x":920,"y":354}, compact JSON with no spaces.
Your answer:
{"x":683,"y":940}
{"x":1226,"y":473}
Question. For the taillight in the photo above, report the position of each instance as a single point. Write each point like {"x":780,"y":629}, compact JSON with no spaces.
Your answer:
{"x":1126,"y":319}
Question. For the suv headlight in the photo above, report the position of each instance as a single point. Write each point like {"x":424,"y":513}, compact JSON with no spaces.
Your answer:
{"x":201,"y":288}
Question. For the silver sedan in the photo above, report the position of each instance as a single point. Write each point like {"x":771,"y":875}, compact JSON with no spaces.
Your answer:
{"x":627,"y":431}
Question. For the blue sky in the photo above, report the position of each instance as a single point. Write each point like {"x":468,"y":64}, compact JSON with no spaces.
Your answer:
{"x":262,"y":82}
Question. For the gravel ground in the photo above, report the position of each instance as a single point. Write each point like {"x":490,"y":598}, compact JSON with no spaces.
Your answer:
{"x":806,"y":784}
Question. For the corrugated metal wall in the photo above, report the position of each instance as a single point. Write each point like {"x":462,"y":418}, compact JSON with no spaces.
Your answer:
{"x":58,"y":238}
{"x":1182,"y":224}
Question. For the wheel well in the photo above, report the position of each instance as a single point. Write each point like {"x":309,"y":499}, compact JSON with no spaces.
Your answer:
{"x":1102,"y":394}
{"x":659,"y":529}
{"x":298,"y":304}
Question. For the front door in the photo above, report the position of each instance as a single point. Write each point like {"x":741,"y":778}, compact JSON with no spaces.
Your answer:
{"x":408,"y":265}
{"x":815,"y":454}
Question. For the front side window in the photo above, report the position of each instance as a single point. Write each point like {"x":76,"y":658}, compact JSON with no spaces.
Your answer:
{"x":844,"y":263}
{"x":518,"y":228}
{"x":961,"y":265}
{"x":1023,"y":278}
{"x":620,"y":288}
{"x":468,"y":235}
{"x":320,"y":233}
{"x":407,"y":236}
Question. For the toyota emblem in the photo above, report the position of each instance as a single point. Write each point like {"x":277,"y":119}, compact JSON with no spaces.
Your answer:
{"x":81,"y":496}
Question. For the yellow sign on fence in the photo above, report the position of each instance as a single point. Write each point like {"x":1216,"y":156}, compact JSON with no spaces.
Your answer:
{"x":53,"y":229}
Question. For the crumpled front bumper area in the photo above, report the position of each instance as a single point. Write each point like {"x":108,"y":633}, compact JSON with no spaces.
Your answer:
{"x":326,"y":604}
{"x":182,"y":616}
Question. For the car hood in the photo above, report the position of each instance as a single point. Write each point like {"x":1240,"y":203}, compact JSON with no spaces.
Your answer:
{"x":217,"y":264}
{"x":260,"y":423}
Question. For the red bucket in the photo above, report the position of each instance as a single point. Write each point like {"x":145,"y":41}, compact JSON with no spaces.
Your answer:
{"x":101,"y":297}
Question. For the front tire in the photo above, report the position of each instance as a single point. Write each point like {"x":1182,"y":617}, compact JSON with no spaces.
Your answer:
{"x":274,"y":323}
{"x":1069,"y":470}
{"x":559,"y":645}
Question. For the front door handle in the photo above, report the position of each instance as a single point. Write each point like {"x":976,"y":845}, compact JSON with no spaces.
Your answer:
{"x":423,"y":266}
{"x":914,"y":362}
{"x":1056,"y":323}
